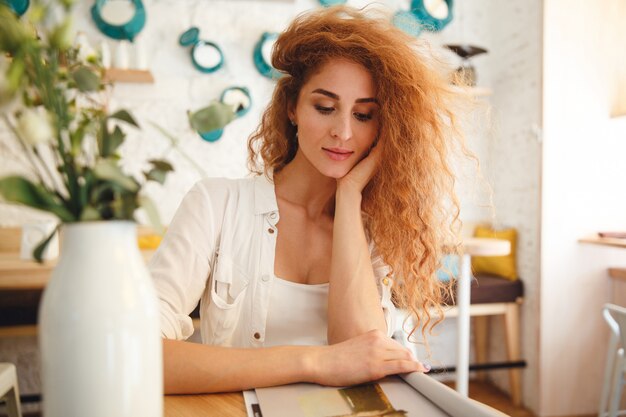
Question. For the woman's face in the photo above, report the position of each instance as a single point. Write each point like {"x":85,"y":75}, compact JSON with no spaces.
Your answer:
{"x":337,"y":117}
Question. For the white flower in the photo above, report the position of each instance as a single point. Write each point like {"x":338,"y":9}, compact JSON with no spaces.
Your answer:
{"x":34,"y":126}
{"x":86,"y":52}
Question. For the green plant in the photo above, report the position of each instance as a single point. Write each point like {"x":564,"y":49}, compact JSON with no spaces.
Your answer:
{"x":53,"y":99}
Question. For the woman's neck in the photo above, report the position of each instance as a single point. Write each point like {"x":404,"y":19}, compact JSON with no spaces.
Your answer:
{"x":300,"y":183}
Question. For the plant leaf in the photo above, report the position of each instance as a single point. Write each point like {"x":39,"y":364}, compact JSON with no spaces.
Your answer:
{"x":112,"y":141}
{"x":90,"y":214}
{"x":173,"y":140}
{"x":153,"y":214}
{"x":124,"y":205}
{"x":86,"y":80}
{"x":124,"y":116}
{"x":20,"y":190}
{"x":41,"y":247}
{"x":161,"y":165}
{"x":212,"y":117}
{"x":155,"y":175}
{"x":109,"y":170}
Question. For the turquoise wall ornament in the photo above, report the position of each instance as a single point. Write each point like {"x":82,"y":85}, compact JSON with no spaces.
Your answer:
{"x":239,"y":100}
{"x":328,"y":3}
{"x":433,"y":21}
{"x":206,"y":56}
{"x":407,"y":22}
{"x":262,"y":54}
{"x":127,"y":30}
{"x":18,"y":6}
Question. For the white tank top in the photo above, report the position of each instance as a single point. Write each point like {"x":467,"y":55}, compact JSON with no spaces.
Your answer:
{"x":297,"y":314}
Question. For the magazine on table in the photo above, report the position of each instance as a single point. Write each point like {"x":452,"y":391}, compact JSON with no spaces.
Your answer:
{"x":409,"y":395}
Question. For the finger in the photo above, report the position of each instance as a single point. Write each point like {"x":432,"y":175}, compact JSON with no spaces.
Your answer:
{"x":403,"y":367}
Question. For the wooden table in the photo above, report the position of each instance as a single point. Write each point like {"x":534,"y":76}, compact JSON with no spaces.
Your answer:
{"x":230,"y":404}
{"x":18,"y":274}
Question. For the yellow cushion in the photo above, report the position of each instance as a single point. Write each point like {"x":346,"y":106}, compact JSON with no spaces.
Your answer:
{"x":503,"y":266}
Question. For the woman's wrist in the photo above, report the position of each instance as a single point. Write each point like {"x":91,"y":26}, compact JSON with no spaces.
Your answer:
{"x":310,"y":363}
{"x":348,"y":193}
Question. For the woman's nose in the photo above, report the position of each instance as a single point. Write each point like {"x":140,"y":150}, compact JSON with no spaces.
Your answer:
{"x":342,"y":129}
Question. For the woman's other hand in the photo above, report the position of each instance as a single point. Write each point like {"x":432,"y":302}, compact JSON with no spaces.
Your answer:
{"x":362,"y":172}
{"x":363,"y":358}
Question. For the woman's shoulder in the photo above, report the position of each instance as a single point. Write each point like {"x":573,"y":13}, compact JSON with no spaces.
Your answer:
{"x":218,"y":189}
{"x":222,"y":185}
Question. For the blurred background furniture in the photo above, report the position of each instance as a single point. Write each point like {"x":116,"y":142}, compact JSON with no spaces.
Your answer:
{"x":9,"y":392}
{"x":493,"y":296}
{"x":615,"y":366}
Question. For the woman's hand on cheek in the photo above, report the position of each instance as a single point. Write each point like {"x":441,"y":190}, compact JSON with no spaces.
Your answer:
{"x":362,"y":172}
{"x":364,"y":358}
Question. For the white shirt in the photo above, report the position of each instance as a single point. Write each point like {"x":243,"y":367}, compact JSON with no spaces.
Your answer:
{"x":219,"y":249}
{"x":297,"y":314}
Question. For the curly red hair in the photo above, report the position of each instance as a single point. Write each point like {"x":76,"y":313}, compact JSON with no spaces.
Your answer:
{"x":411,"y":211}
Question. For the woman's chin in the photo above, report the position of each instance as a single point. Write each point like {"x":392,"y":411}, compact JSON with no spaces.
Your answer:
{"x":335,"y":173}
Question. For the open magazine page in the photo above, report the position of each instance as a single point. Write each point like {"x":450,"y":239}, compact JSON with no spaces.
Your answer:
{"x":448,"y":399}
{"x":416,"y":395}
{"x":419,"y":396}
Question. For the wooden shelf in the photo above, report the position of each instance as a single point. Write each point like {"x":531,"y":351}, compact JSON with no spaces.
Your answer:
{"x":604,"y":241}
{"x":128,"y":76}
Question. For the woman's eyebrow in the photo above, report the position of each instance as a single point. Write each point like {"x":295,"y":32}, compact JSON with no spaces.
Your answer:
{"x":336,"y":97}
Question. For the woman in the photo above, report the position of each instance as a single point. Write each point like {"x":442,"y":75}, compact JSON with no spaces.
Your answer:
{"x":289,"y":265}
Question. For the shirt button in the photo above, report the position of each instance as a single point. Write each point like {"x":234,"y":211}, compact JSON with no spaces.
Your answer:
{"x":265,"y":278}
{"x":273,"y":216}
{"x":257,"y":335}
{"x":270,"y":231}
{"x":386,"y":281}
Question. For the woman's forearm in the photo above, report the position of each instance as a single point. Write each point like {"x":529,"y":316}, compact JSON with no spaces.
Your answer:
{"x":353,"y":301}
{"x":195,"y":368}
{"x":191,"y":368}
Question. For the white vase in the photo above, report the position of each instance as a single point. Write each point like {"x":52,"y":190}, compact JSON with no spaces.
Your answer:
{"x":99,"y":331}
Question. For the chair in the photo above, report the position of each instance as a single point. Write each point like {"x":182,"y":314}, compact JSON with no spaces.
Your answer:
{"x":489,"y":296}
{"x":615,"y":366}
{"x":9,"y":391}
{"x":494,"y":296}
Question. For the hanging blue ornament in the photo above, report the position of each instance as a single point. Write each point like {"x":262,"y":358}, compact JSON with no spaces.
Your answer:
{"x":260,"y":62}
{"x":125,"y":31}
{"x":328,"y":3}
{"x":18,"y":6}
{"x":206,"y":56}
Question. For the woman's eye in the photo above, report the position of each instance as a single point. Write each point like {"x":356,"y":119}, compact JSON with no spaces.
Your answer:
{"x":363,"y":117}
{"x":324,"y":110}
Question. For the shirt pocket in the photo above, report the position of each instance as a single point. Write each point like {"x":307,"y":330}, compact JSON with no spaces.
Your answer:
{"x":228,"y":289}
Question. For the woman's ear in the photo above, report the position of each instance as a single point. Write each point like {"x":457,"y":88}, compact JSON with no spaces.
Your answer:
{"x":291,"y":113}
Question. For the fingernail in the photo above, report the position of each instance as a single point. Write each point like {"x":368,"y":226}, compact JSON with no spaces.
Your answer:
{"x":426,"y":366}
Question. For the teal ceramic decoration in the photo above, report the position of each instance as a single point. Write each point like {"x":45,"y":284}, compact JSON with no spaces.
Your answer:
{"x":206,"y":56}
{"x":328,"y":3}
{"x":18,"y":6}
{"x":262,"y":54}
{"x":407,"y":22}
{"x":433,"y":20}
{"x":120,"y":30}
{"x":212,"y":136}
{"x":189,"y":37}
{"x":240,"y":100}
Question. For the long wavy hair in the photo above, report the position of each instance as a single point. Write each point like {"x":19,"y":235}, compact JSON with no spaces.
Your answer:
{"x":411,"y":211}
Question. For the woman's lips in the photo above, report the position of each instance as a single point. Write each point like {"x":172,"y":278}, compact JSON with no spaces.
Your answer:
{"x":337,"y":154}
